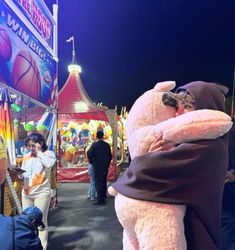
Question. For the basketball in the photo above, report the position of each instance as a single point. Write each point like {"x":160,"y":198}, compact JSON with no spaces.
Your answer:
{"x":5,"y":45}
{"x":25,"y":75}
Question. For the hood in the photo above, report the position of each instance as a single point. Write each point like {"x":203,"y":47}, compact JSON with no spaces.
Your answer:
{"x":206,"y":95}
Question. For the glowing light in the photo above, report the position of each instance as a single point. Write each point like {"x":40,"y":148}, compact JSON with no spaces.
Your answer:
{"x":74,"y":67}
{"x":81,"y":107}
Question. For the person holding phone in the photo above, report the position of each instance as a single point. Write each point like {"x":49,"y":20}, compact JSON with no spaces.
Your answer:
{"x":37,"y":165}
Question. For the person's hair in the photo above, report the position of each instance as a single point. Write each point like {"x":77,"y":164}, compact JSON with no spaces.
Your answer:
{"x":100,"y":134}
{"x":26,"y":143}
{"x":37,"y":138}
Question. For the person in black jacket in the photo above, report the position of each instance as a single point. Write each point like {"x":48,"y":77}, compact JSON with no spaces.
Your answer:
{"x":100,"y":154}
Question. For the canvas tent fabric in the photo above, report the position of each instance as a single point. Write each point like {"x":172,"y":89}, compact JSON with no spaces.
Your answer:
{"x":75,"y":104}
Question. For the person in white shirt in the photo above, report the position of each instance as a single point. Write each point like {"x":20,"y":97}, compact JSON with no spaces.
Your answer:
{"x":37,"y":165}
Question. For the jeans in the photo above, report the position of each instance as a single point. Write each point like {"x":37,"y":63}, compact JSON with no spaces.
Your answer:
{"x":91,"y":190}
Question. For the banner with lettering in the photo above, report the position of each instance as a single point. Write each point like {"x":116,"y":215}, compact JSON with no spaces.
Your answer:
{"x":25,"y":64}
{"x":39,"y":16}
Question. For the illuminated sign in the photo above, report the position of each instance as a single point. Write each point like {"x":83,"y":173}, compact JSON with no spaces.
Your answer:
{"x":39,"y":16}
{"x":25,"y":64}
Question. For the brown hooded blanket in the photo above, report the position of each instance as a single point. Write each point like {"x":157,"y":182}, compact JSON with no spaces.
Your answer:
{"x":192,"y":174}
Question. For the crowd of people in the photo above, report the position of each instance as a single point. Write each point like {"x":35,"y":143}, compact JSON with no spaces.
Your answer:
{"x":35,"y":173}
{"x":203,"y":184}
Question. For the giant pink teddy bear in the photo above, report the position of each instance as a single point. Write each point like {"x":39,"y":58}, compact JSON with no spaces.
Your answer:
{"x":147,"y":119}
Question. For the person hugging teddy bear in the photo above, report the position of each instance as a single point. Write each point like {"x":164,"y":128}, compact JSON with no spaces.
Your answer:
{"x":165,"y":199}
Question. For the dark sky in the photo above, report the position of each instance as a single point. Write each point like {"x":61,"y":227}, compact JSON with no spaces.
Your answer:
{"x":125,"y":46}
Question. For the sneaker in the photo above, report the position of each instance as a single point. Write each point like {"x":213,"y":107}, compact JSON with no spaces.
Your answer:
{"x":92,"y":198}
{"x":99,"y":203}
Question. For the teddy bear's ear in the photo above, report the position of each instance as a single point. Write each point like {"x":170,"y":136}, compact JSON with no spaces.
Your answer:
{"x":164,"y":86}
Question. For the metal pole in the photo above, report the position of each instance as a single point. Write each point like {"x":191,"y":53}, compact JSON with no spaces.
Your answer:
{"x":2,"y":199}
{"x":73,"y":45}
{"x":232,"y":105}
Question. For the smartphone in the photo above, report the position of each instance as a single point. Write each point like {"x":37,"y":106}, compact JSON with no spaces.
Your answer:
{"x":19,"y":170}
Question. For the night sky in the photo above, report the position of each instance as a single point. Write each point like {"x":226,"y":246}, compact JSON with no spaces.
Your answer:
{"x":126,"y":46}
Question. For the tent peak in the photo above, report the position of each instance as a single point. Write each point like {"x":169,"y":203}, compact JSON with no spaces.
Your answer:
{"x":74,"y":67}
{"x":74,"y":59}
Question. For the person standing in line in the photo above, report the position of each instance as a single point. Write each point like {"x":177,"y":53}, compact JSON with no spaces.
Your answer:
{"x":100,"y":154}
{"x":228,"y":203}
{"x":91,"y":191}
{"x":37,"y":189}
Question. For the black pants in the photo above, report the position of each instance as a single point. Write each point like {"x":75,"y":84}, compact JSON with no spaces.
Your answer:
{"x":101,"y":185}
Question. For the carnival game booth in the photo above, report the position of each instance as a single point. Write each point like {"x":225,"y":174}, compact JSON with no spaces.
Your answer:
{"x":78,"y":121}
{"x":28,"y":82}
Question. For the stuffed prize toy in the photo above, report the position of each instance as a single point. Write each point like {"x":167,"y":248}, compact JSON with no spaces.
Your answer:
{"x":148,"y":119}
{"x":42,"y":129}
{"x":69,"y":153}
{"x":85,"y":130}
{"x":72,"y":127}
{"x":30,"y":127}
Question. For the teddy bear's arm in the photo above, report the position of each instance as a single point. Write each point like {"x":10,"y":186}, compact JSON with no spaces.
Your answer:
{"x":140,"y":140}
{"x":197,"y":125}
{"x":191,"y":126}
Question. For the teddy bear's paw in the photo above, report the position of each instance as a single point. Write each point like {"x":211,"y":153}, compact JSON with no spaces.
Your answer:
{"x":112,"y":191}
